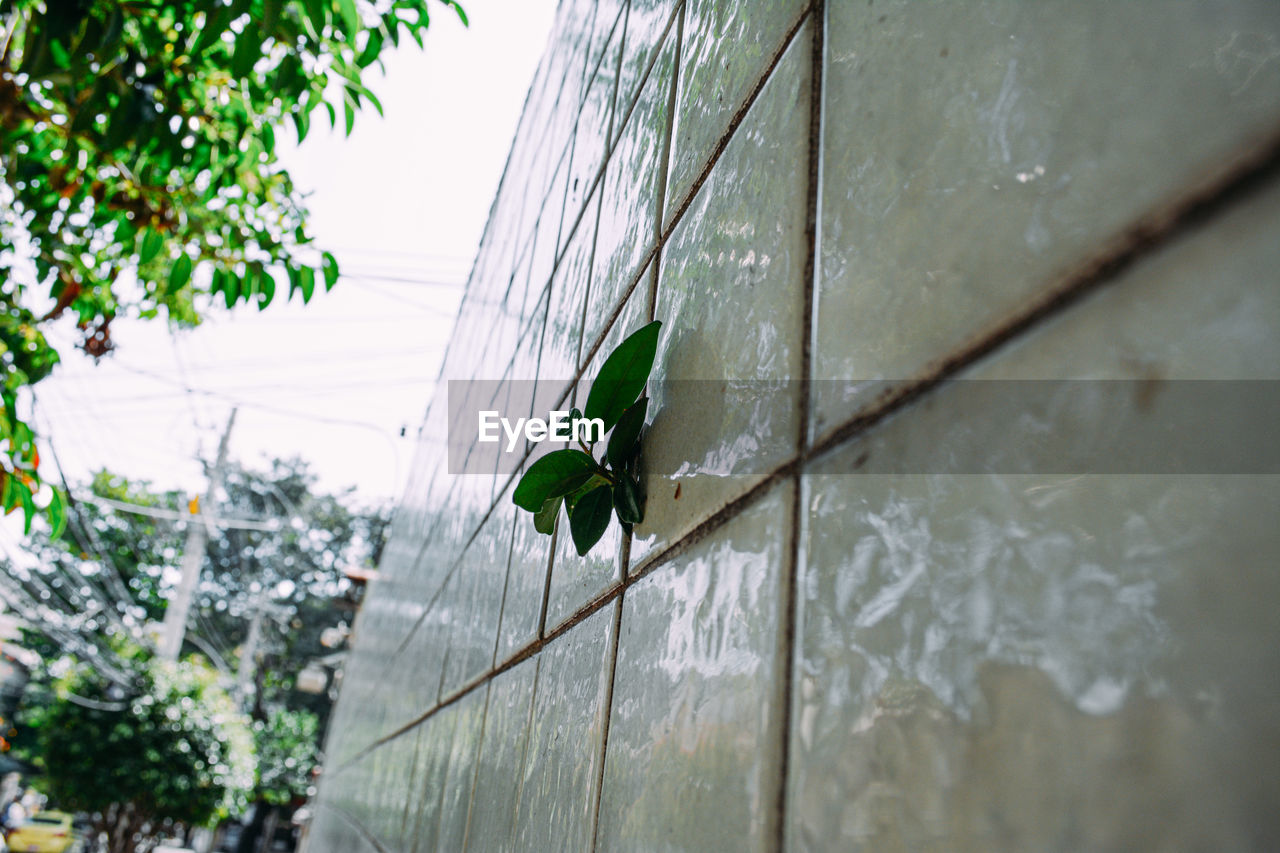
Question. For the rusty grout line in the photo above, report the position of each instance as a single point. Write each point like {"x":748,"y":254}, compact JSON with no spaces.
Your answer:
{"x":475,"y":771}
{"x":664,"y":175}
{"x":606,"y":710}
{"x":789,"y":604}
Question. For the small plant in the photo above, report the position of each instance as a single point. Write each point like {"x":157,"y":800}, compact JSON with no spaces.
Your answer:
{"x":592,"y":489}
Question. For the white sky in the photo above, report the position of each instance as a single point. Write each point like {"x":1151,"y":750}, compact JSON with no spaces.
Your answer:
{"x":405,"y":196}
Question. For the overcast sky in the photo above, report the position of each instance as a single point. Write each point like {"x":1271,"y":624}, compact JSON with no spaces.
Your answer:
{"x":405,"y":197}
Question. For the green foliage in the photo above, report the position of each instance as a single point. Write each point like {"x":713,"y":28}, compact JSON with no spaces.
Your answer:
{"x":589,"y":488}
{"x":109,"y":555}
{"x":138,"y":164}
{"x":288,"y":750}
{"x":168,"y":746}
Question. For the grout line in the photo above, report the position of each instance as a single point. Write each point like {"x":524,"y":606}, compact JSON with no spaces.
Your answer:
{"x":607,"y":710}
{"x":528,"y":737}
{"x":664,"y":168}
{"x":506,"y":585}
{"x":785,"y":685}
{"x":475,"y":772}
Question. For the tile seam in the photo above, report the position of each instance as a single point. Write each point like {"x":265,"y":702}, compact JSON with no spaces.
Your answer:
{"x":785,"y":688}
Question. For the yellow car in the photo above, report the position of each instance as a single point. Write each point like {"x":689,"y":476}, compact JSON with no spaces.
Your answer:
{"x":43,"y":832}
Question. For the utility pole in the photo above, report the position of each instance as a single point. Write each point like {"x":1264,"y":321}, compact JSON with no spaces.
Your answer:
{"x":249,"y":652}
{"x":175,"y":614}
{"x":244,"y":678}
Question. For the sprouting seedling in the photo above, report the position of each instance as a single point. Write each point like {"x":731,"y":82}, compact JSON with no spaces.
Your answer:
{"x":590,"y":489}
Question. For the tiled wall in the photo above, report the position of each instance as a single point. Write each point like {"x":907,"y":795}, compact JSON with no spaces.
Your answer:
{"x":807,"y":651}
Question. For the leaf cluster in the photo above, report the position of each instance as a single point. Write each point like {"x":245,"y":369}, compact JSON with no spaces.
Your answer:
{"x":590,"y":489}
{"x":172,"y":746}
{"x":139,"y":173}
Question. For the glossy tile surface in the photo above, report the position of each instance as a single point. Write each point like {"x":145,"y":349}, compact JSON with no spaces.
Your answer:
{"x":1069,"y":646}
{"x":632,"y":184}
{"x":647,"y":22}
{"x":455,"y":794}
{"x":502,"y":758}
{"x":558,"y":783}
{"x":591,"y":134}
{"x":694,"y":739}
{"x":962,"y":633}
{"x":431,"y":763}
{"x":741,"y":240}
{"x":728,"y":47}
{"x":1039,"y":133}
{"x":482,"y":578}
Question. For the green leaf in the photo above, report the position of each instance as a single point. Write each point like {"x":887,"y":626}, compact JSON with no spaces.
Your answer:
{"x":371,"y":50}
{"x":623,"y":375}
{"x":329,"y":265}
{"x":28,"y":506}
{"x":627,"y":500}
{"x":268,"y":288}
{"x":180,"y":273}
{"x":306,"y":283}
{"x":214,"y":26}
{"x":316,"y":14}
{"x":590,"y":518}
{"x":152,"y":243}
{"x":248,"y":51}
{"x":270,"y":17}
{"x":557,"y":473}
{"x":544,"y":520}
{"x":57,"y":513}
{"x":350,"y":18}
{"x":231,"y":287}
{"x":462,"y":16}
{"x":10,"y":493}
{"x":571,"y":499}
{"x":626,"y":434}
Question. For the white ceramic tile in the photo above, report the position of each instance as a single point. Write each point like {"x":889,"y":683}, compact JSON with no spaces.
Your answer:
{"x":741,"y":240}
{"x":694,"y":739}
{"x":647,"y":22}
{"x":562,"y":337}
{"x":1052,"y":660}
{"x":482,"y":576}
{"x":628,"y":215}
{"x":455,"y":794}
{"x":557,"y":786}
{"x":726,"y":52}
{"x":502,"y":756}
{"x":591,"y":135}
{"x":975,"y":153}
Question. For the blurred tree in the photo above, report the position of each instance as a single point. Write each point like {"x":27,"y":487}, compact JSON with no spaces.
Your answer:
{"x":138,"y":167}
{"x":288,"y":752}
{"x":169,"y":747}
{"x":111,"y":571}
